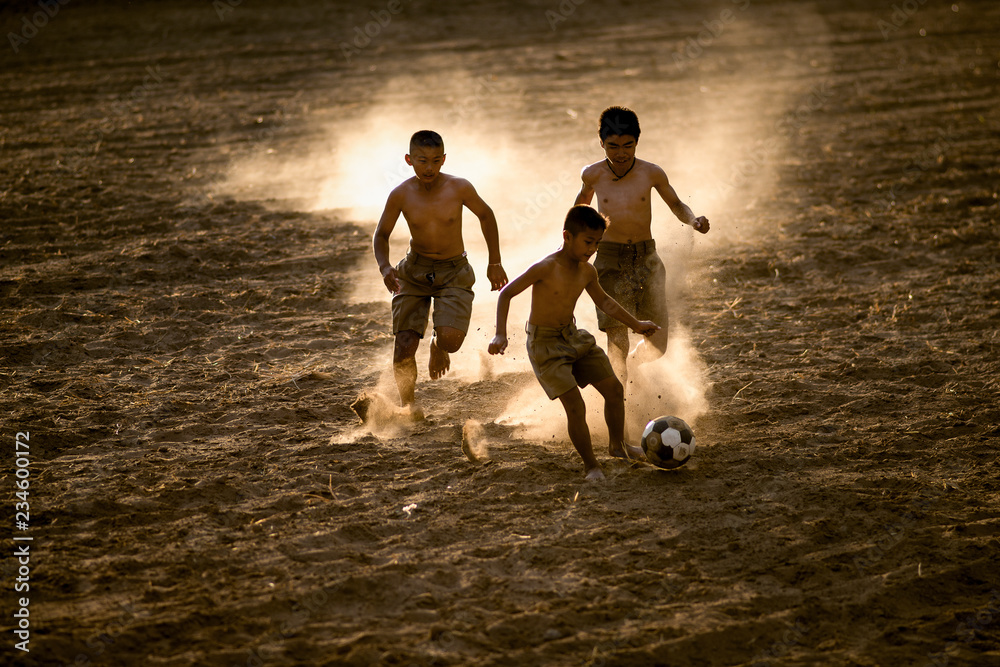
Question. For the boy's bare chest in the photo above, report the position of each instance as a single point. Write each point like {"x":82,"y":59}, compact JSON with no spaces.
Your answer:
{"x":623,"y":195}
{"x":433,"y":208}
{"x":567,"y":284}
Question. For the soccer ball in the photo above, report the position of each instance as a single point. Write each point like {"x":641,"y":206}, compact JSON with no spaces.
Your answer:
{"x":668,"y":442}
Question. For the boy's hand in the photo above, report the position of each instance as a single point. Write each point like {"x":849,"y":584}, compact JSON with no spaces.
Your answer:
{"x":497,"y":276}
{"x":646,"y":328}
{"x":701,"y":224}
{"x":498,"y":344}
{"x":390,"y":280}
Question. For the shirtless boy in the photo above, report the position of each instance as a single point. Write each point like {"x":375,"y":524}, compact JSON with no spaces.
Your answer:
{"x":627,"y":264}
{"x":435,"y":267}
{"x":563,"y":357}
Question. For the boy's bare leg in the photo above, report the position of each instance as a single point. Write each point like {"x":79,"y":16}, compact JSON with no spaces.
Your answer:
{"x":614,"y":415}
{"x":444,"y":341}
{"x":404,"y":365}
{"x":579,"y":434}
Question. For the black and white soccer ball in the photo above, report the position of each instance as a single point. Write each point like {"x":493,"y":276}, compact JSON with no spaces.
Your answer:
{"x":668,"y":442}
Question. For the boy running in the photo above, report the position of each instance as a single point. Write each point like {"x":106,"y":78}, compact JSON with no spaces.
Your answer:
{"x":435,"y":267}
{"x":627,"y":264}
{"x":563,"y":357}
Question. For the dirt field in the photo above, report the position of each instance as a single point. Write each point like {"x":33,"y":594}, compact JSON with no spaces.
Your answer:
{"x":190,"y":306}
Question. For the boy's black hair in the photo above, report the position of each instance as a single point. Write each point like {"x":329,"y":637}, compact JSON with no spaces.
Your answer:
{"x":618,"y":120}
{"x":582,"y":217}
{"x":426,"y":139}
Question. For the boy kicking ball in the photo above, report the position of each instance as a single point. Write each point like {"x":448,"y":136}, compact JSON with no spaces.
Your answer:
{"x":563,"y":357}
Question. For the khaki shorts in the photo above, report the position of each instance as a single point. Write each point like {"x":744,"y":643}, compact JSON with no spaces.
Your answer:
{"x":633,"y":275}
{"x":448,"y":282}
{"x":564,"y":358}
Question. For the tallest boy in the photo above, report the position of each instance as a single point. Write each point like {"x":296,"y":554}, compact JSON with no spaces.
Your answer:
{"x":628,"y":268}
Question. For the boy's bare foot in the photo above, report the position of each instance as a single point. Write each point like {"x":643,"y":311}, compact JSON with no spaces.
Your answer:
{"x":412,"y":413}
{"x":595,"y":475}
{"x":440,"y":361}
{"x":630,"y":452}
{"x":374,"y":408}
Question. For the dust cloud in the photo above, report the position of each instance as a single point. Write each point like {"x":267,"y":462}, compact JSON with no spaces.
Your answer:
{"x":723,"y":170}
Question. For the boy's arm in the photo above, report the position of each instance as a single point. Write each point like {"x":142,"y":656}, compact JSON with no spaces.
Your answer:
{"x":586,"y":194}
{"x":680,"y":209}
{"x":513,"y":288}
{"x":607,"y":304}
{"x":380,"y":242}
{"x":488,"y":222}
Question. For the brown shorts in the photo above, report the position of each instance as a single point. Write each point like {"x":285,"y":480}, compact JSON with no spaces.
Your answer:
{"x":448,"y":282}
{"x":564,"y":358}
{"x":634,"y":276}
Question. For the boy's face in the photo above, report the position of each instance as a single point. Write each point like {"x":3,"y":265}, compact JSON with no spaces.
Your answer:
{"x":582,"y":246}
{"x":620,"y":148}
{"x":426,"y":162}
